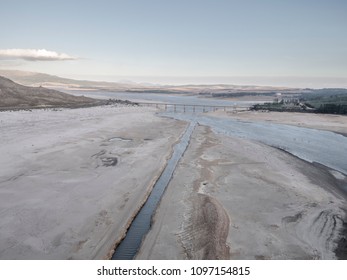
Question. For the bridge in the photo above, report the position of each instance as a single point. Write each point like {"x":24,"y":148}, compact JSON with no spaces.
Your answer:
{"x":193,"y":108}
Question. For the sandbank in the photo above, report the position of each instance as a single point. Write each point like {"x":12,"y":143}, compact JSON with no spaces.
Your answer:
{"x":335,"y":123}
{"x":232,"y":198}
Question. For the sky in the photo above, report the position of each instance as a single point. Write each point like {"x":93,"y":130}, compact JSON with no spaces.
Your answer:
{"x":272,"y":42}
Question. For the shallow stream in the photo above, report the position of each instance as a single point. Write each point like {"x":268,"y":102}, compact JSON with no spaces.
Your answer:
{"x":129,"y":246}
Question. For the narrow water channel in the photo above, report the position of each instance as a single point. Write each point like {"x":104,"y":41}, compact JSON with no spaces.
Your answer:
{"x":130,"y":245}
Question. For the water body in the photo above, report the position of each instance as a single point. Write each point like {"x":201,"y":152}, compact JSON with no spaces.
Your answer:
{"x":129,"y":246}
{"x":166,"y":98}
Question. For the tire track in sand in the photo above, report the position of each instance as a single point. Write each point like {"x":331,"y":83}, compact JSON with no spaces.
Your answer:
{"x":205,"y":231}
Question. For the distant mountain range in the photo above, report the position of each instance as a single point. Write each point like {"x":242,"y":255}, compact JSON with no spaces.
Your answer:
{"x":32,"y":90}
{"x":220,"y":90}
{"x":40,"y":79}
{"x":13,"y":95}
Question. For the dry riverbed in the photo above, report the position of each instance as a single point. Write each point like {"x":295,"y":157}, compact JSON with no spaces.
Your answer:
{"x":231,"y":198}
{"x":72,"y":180}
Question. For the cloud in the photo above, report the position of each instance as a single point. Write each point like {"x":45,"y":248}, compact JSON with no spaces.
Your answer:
{"x":34,"y":55}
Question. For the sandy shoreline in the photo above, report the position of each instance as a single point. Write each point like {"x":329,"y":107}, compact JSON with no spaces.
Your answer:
{"x":72,"y":180}
{"x":258,"y":202}
{"x":334,"y":123}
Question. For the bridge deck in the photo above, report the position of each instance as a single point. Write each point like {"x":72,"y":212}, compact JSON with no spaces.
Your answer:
{"x":194,"y":107}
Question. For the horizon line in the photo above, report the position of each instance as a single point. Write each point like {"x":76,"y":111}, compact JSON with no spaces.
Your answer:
{"x":289,"y":81}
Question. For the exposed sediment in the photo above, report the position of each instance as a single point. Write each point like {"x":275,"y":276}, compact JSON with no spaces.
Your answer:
{"x":341,"y":249}
{"x":205,"y":231}
{"x":66,"y":191}
{"x":334,"y":123}
{"x":267,"y":202}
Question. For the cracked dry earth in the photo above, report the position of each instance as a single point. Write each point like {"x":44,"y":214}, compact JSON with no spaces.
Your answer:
{"x":231,"y":198}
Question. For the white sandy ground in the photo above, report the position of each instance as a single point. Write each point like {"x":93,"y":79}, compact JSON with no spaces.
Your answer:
{"x":232,"y":198}
{"x":60,"y":196}
{"x":335,"y":123}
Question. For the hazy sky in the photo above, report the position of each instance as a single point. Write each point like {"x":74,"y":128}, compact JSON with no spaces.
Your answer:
{"x":178,"y":40}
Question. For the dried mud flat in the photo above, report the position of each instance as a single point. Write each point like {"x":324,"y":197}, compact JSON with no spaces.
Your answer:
{"x":232,"y":198}
{"x":72,"y":180}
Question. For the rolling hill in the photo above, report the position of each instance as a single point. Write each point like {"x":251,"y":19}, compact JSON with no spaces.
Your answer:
{"x":13,"y":95}
{"x":212,"y":90}
{"x":41,"y":79}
